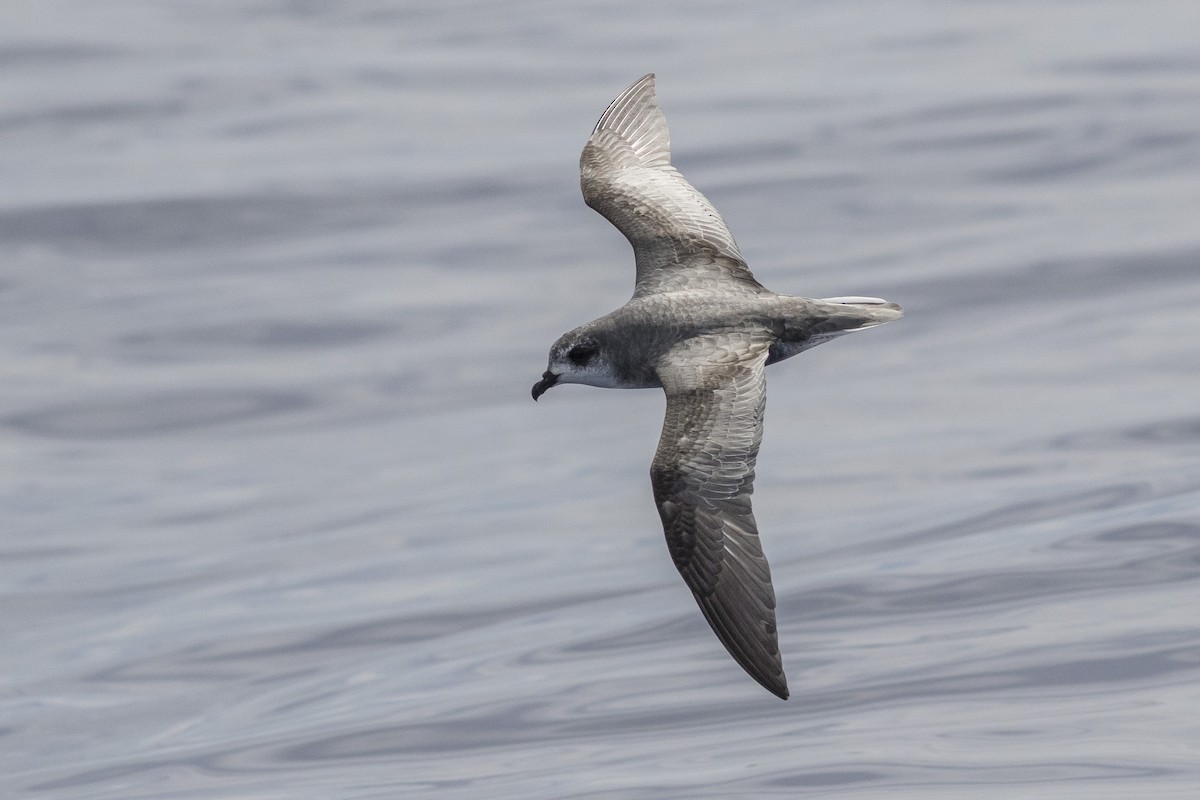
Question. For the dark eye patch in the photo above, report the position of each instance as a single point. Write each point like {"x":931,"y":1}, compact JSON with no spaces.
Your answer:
{"x":581,"y":354}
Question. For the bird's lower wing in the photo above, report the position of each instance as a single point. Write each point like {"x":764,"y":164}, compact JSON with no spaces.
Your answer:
{"x":703,"y":475}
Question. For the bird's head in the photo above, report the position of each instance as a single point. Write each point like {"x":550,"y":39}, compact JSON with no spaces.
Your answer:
{"x":580,"y":356}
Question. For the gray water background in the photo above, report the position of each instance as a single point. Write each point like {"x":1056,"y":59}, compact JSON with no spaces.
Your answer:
{"x":279,"y":519}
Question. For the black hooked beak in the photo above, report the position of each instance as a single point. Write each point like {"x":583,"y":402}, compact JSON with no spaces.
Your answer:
{"x":548,"y":380}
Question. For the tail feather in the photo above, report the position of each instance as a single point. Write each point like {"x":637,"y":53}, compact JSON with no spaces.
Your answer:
{"x":876,"y":310}
{"x":858,"y":313}
{"x":842,"y":315}
{"x":858,"y":301}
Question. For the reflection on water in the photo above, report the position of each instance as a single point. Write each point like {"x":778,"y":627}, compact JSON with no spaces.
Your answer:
{"x":281,"y":521}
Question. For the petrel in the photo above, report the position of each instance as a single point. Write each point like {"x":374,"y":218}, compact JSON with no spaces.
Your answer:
{"x":703,"y":329}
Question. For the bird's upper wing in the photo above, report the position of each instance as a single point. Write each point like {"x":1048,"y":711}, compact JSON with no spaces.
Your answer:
{"x":703,"y":474}
{"x":679,"y":240}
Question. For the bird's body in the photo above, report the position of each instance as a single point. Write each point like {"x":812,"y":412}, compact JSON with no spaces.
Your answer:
{"x":703,"y":329}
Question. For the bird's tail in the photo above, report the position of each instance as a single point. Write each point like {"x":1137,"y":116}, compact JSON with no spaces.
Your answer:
{"x":868,"y":311}
{"x":828,"y":319}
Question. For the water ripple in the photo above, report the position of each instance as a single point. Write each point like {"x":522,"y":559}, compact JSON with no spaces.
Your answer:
{"x":156,"y":414}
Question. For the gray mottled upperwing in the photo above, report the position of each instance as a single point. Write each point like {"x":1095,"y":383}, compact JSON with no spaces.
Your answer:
{"x":703,"y":475}
{"x":679,"y":240}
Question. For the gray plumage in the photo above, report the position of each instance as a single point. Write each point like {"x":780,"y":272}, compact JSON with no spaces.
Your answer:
{"x":703,"y":329}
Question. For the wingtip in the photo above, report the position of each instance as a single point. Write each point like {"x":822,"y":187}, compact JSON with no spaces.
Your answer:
{"x":622,"y":111}
{"x":775,"y":684}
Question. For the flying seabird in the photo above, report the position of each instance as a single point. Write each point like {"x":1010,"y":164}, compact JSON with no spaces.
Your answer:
{"x":703,"y":329}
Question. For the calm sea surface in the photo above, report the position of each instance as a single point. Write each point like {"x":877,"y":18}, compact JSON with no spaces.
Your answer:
{"x":278,"y":518}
